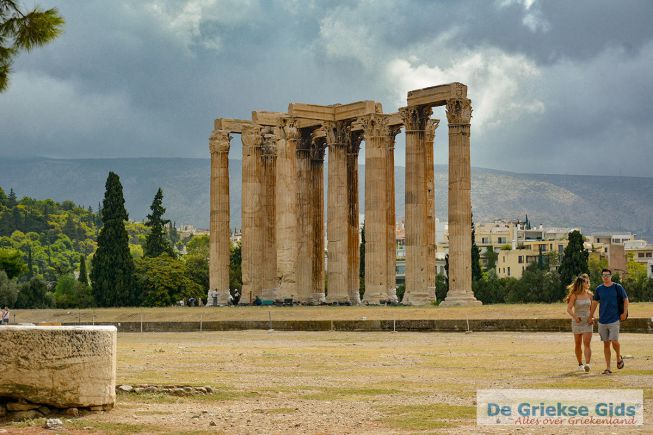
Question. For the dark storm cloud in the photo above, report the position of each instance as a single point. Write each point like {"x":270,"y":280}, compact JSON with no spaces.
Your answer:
{"x":552,"y":82}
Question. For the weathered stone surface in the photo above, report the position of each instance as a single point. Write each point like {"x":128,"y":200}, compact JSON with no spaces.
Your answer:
{"x":53,"y":424}
{"x":61,"y":366}
{"x":25,"y":415}
{"x":21,"y":406}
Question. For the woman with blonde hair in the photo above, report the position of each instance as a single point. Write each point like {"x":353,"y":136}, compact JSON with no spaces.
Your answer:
{"x":579,"y":300}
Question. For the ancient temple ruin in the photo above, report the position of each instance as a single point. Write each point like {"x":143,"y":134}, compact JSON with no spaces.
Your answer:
{"x":283,"y":222}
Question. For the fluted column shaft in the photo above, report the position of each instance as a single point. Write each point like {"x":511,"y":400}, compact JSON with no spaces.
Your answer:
{"x":317,"y":209}
{"x":376,"y":226}
{"x":391,"y":244}
{"x":252,"y":222}
{"x":342,"y":216}
{"x":459,"y":112}
{"x":219,"y":236}
{"x":270,"y":284}
{"x":420,"y":289}
{"x":304,"y":265}
{"x":287,"y":210}
{"x":337,"y":214}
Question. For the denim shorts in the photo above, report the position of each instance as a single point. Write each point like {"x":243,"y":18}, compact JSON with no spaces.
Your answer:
{"x":609,"y":331}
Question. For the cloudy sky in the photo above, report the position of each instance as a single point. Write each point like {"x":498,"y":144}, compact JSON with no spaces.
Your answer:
{"x":557,"y":86}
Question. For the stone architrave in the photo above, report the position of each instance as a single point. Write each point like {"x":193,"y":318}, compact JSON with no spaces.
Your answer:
{"x":287,"y":208}
{"x":252,"y":214}
{"x":318,"y":146}
{"x":61,"y":366}
{"x":459,"y":113}
{"x":420,"y":243}
{"x":338,"y":136}
{"x":219,"y":238}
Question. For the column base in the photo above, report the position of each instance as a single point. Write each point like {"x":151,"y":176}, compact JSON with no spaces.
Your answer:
{"x":317,"y":299}
{"x":419,"y":297}
{"x":270,"y":294}
{"x":217,"y":298}
{"x":392,"y":295}
{"x":355,"y":297}
{"x":460,"y":299}
{"x":340,"y":300}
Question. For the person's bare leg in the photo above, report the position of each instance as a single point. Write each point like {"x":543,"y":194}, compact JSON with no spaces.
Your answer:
{"x":606,"y":352}
{"x":587,"y":338}
{"x":617,"y":349}
{"x":578,"y":339}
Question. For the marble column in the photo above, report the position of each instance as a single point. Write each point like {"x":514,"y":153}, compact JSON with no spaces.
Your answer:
{"x":420,"y":258}
{"x":269,"y":284}
{"x":376,"y":227}
{"x":318,"y":146}
{"x":338,"y":213}
{"x":287,"y":209}
{"x":459,"y":113}
{"x":391,"y":244}
{"x":304,"y":263}
{"x":252,"y":222}
{"x":219,"y":238}
{"x":353,"y":227}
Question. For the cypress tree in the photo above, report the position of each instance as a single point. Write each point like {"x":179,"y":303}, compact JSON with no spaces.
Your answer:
{"x":477,"y":273}
{"x":574,"y":260}
{"x":112,"y":268}
{"x":83,"y":277}
{"x":156,"y":242}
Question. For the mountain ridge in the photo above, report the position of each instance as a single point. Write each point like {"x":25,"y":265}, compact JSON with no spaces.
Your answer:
{"x":591,"y":202}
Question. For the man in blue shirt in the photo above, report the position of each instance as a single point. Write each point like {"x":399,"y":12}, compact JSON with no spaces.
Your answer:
{"x":607,"y":297}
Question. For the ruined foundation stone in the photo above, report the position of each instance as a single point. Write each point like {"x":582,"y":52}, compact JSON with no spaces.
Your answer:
{"x":60,"y":366}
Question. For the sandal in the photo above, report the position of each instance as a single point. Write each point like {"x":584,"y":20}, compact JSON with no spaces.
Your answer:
{"x":606,"y":372}
{"x":620,"y":363}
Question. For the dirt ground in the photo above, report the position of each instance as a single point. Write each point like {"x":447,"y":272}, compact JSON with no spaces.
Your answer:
{"x":344,"y":382}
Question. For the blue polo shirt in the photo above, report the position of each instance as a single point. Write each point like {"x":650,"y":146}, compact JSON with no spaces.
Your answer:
{"x":607,"y":298}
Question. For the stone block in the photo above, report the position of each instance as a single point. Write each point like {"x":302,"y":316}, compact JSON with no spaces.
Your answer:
{"x":61,"y":366}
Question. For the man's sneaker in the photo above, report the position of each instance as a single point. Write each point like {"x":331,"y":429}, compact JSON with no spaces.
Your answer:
{"x":587,"y":368}
{"x":581,"y":368}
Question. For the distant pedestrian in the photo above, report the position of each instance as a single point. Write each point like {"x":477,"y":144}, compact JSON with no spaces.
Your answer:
{"x":5,"y":315}
{"x":579,"y":300}
{"x":613,"y":309}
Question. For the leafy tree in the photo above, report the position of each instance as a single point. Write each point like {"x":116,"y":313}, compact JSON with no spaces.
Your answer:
{"x":112,"y":267}
{"x":162,"y":281}
{"x":8,"y":290}
{"x":596,"y":263}
{"x":489,"y":289}
{"x":574,"y":260}
{"x":635,"y":281}
{"x":3,"y":197}
{"x":35,"y":294}
{"x":83,"y":277}
{"x":536,"y":285}
{"x":23,"y":31}
{"x":70,"y":293}
{"x":441,"y":287}
{"x":197,"y":260}
{"x":477,"y":273}
{"x":11,"y":261}
{"x":491,"y":258}
{"x":235,"y":272}
{"x":156,"y":242}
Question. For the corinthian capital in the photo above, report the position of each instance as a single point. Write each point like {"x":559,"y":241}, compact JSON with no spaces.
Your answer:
{"x":459,"y":111}
{"x":289,"y":129}
{"x":251,"y":138}
{"x":415,"y":117}
{"x":430,"y":129}
{"x":219,"y":141}
{"x":375,"y":125}
{"x":337,"y":132}
{"x":269,"y":145}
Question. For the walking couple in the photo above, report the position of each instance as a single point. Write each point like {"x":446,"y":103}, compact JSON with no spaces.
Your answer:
{"x":612,"y":300}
